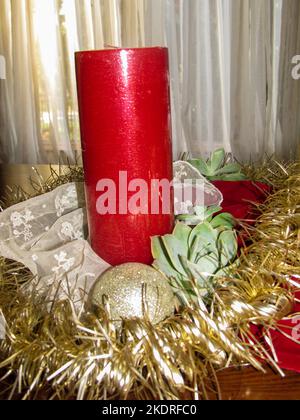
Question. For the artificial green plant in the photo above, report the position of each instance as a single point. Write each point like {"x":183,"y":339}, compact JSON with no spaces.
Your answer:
{"x":219,"y":167}
{"x":197,"y":257}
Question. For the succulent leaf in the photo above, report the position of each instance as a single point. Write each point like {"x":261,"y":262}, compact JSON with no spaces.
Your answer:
{"x":229,"y":177}
{"x":196,"y":256}
{"x":201,"y":247}
{"x":217,"y":160}
{"x":230,"y":168}
{"x":175,"y":248}
{"x":201,"y":165}
{"x":165,"y":268}
{"x":210,"y":211}
{"x":182,"y":233}
{"x":207,"y":266}
{"x":162,"y":262}
{"x":234,"y":177}
{"x":228,"y":247}
{"x":189,"y":219}
{"x":219,"y":167}
{"x":223,"y":220}
{"x":205,"y":231}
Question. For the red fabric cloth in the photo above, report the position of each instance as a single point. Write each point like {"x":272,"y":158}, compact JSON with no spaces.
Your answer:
{"x":238,"y":197}
{"x":288,"y":351}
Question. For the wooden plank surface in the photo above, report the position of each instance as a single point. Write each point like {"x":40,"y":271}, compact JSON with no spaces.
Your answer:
{"x":248,"y":384}
{"x":244,"y":384}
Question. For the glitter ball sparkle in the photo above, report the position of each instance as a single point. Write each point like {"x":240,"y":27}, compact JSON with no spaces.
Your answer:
{"x":134,"y":290}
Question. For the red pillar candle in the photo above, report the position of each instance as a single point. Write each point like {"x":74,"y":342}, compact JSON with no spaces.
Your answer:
{"x":124,"y":106}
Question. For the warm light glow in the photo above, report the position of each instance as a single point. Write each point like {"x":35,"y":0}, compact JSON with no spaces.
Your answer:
{"x":2,"y":67}
{"x":45,"y":20}
{"x":55,"y":35}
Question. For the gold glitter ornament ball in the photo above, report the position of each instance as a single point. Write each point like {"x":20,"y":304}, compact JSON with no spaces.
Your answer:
{"x":133,"y":289}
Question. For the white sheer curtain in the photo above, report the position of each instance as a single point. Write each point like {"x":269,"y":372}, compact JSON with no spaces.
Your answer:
{"x":231,"y":73}
{"x":231,"y":64}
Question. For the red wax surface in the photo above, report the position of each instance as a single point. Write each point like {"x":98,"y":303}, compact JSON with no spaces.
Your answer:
{"x":124,"y":105}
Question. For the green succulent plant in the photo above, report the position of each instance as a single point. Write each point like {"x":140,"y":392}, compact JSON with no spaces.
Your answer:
{"x":196,"y":257}
{"x":219,"y":167}
{"x":203,"y":214}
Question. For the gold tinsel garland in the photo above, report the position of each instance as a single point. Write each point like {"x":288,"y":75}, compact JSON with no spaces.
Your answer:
{"x":87,"y":357}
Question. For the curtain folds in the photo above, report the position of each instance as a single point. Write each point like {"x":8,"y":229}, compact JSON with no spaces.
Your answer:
{"x":230,"y":64}
{"x":231,"y":76}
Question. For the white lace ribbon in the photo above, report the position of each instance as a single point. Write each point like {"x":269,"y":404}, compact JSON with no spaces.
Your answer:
{"x":46,"y":234}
